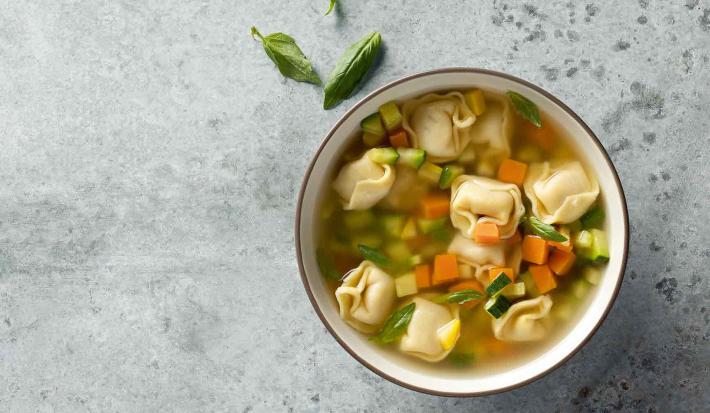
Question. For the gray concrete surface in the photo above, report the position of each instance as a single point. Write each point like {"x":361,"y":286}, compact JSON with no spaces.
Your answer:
{"x":150,"y":162}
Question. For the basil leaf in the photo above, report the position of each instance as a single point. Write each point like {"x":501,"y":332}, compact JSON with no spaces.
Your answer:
{"x":592,"y":218}
{"x":374,"y":255}
{"x":326,"y":265}
{"x":331,"y":7}
{"x":459,"y":297}
{"x":395,"y":325}
{"x":525,"y":108}
{"x":545,"y":231}
{"x":288,"y":57}
{"x":350,"y":69}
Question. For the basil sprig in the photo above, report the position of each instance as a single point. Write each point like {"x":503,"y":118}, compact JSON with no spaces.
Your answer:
{"x":395,"y":325}
{"x":288,"y":57}
{"x":459,"y":297}
{"x":525,"y":108}
{"x":543,"y":230}
{"x":351,"y":69}
{"x":331,"y":7}
{"x":374,"y":255}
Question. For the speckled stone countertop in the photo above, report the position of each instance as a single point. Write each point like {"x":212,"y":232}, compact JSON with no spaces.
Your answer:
{"x":151,"y":157}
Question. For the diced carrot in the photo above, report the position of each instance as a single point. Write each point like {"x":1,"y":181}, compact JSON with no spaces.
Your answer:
{"x":468,"y":285}
{"x":543,"y":137}
{"x":516,"y":238}
{"x":435,"y":206}
{"x":486,"y":233}
{"x":535,"y":249}
{"x":445,"y":269}
{"x":495,"y":271}
{"x":561,"y":262}
{"x":399,"y":139}
{"x":544,"y":280}
{"x":562,"y":246}
{"x":512,"y":171}
{"x":423,"y":275}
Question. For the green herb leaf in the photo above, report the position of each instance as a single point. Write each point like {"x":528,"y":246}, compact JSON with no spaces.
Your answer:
{"x":374,"y":255}
{"x":459,"y":297}
{"x":461,"y":359}
{"x":525,"y":108}
{"x":288,"y":57}
{"x":350,"y":69}
{"x":593,"y":218}
{"x":395,"y":325}
{"x":543,"y":230}
{"x":326,"y":265}
{"x":331,"y":7}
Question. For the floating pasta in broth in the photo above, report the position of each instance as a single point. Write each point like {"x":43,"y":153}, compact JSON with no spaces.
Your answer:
{"x":362,"y":183}
{"x":366,"y":297}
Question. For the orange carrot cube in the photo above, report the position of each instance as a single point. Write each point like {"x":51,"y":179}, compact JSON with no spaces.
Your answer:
{"x":513,"y":172}
{"x":495,"y":271}
{"x":423,"y":275}
{"x":468,"y":285}
{"x":544,"y":280}
{"x":561,"y":262}
{"x":435,"y":206}
{"x":535,"y":249}
{"x":486,"y":233}
{"x":399,"y":139}
{"x":445,"y":269}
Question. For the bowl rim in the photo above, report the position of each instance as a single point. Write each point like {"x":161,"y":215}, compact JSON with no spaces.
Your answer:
{"x":556,"y":101}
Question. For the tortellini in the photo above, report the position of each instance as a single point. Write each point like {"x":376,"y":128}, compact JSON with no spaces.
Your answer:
{"x":362,"y":183}
{"x":560,"y":193}
{"x":366,"y":297}
{"x":476,"y":199}
{"x":524,"y":320}
{"x":439,"y":124}
{"x":491,"y":133}
{"x":482,"y":257}
{"x":421,"y":338}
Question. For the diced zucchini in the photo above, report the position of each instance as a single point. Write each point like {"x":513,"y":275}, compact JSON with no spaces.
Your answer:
{"x":398,"y":251}
{"x":497,"y":306}
{"x":391,"y":116}
{"x":592,"y":275}
{"x":360,"y":219}
{"x":415,"y":260}
{"x":600,"y":247}
{"x":410,"y":229}
{"x":593,"y":218}
{"x":513,"y":291}
{"x":383,"y":156}
{"x":373,"y":125}
{"x":448,"y":174}
{"x":427,"y":226}
{"x":583,"y":240}
{"x":406,"y":284}
{"x":411,"y":157}
{"x":497,"y":284}
{"x":371,"y":140}
{"x":580,"y":288}
{"x":430,"y":172}
{"x":476,"y":101}
{"x":392,"y":224}
{"x":530,"y":287}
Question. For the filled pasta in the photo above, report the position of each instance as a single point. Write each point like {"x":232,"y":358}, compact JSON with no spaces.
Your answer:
{"x":362,"y":183}
{"x":524,"y":321}
{"x":366,"y":297}
{"x":421,"y":339}
{"x":483,"y":257}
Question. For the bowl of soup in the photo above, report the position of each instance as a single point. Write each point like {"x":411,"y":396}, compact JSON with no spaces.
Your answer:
{"x":461,"y":232}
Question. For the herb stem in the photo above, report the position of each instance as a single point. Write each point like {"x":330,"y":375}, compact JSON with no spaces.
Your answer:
{"x":254,"y":31}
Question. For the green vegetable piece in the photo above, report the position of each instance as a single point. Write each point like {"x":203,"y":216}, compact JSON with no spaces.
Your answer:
{"x":448,"y":174}
{"x":461,"y":359}
{"x":459,"y":297}
{"x":513,"y":291}
{"x":583,"y":240}
{"x":288,"y":57}
{"x":444,"y":234}
{"x":497,"y":306}
{"x":430,"y":172}
{"x":331,"y":7}
{"x":398,"y":251}
{"x":383,"y":156}
{"x":374,"y":255}
{"x":498,"y":284}
{"x":600,"y":248}
{"x":411,"y":157}
{"x":373,"y":125}
{"x":395,"y":325}
{"x":406,"y":284}
{"x":593,"y":218}
{"x":371,"y":140}
{"x":476,"y":101}
{"x":543,"y":230}
{"x":391,"y":116}
{"x":392,"y":224}
{"x":351,"y":69}
{"x":525,"y":108}
{"x":530,"y":286}
{"x":326,"y":265}
{"x":427,"y":226}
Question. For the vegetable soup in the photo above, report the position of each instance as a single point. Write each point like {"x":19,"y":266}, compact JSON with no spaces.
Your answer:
{"x":462,"y":230}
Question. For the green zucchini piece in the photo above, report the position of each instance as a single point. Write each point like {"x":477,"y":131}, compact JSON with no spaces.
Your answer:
{"x":530,"y":287}
{"x":411,"y":157}
{"x":593,"y":218}
{"x":583,"y":240}
{"x":600,"y":247}
{"x":392,"y":224}
{"x":371,"y":140}
{"x":497,"y":306}
{"x":406,"y":284}
{"x":391,"y":116}
{"x":513,"y":291}
{"x":410,"y":229}
{"x":373,"y":125}
{"x":415,"y":260}
{"x":427,"y":226}
{"x":498,"y":284}
{"x":430,"y":172}
{"x":398,"y":251}
{"x":383,"y":156}
{"x":448,"y":174}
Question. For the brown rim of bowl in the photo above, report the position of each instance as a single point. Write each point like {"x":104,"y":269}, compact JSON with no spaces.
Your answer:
{"x":460,"y":70}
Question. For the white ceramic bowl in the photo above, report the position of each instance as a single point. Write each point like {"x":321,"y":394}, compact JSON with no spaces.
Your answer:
{"x":409,"y":372}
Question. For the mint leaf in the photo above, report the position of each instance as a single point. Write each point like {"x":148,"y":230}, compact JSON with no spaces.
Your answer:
{"x":525,"y":108}
{"x":351,"y":69}
{"x":288,"y":57}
